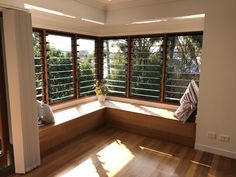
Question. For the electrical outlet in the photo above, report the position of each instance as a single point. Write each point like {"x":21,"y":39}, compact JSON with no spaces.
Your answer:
{"x":224,"y":138}
{"x":211,"y":135}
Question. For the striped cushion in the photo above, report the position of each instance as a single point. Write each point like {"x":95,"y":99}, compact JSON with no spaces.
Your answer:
{"x":188,"y":102}
{"x":191,"y":93}
{"x":184,"y":111}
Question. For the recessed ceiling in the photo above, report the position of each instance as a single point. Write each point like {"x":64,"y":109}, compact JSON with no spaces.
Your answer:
{"x":101,"y":17}
{"x":112,"y":1}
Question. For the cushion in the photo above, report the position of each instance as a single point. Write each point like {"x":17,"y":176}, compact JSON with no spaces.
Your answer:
{"x":48,"y":116}
{"x":184,"y":111}
{"x":191,"y":94}
{"x":44,"y":113}
{"x":39,"y":109}
{"x":188,"y":102}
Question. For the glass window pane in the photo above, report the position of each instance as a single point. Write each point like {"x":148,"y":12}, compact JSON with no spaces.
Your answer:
{"x":115,"y":65}
{"x":60,"y":68}
{"x":146,"y":67}
{"x":86,"y":66}
{"x":38,"y":59}
{"x":184,"y":54}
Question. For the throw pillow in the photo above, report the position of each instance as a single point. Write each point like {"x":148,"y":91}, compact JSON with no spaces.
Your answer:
{"x":48,"y":116}
{"x":184,"y":111}
{"x":188,"y":102}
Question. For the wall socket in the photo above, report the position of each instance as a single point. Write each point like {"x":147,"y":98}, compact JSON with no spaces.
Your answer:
{"x":224,"y":138}
{"x":211,"y":135}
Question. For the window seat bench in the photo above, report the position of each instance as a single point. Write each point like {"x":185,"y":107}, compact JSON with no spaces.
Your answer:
{"x":145,"y":120}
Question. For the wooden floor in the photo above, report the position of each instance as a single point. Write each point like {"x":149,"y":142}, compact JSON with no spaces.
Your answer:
{"x":111,"y":152}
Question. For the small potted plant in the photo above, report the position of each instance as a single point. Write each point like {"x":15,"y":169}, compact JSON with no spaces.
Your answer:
{"x":101,"y":90}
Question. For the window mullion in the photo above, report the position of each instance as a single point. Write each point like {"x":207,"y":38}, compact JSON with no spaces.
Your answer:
{"x":75,"y":65}
{"x":129,"y":67}
{"x":45,"y":68}
{"x":163,"y":69}
{"x":99,"y":58}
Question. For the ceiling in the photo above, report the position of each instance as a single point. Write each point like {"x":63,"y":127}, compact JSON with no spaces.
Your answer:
{"x":112,"y":1}
{"x":121,"y":4}
{"x":116,"y":16}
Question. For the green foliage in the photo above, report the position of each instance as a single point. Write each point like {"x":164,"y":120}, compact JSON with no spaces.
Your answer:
{"x":61,"y":72}
{"x":183,"y":64}
{"x":38,"y":69}
{"x":146,"y":67}
{"x":101,"y":87}
{"x":115,"y":57}
{"x":86,"y":74}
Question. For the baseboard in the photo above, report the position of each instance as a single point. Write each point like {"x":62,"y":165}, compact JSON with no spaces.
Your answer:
{"x":216,"y":150}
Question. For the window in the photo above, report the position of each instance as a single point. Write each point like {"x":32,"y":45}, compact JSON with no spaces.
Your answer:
{"x":115,"y":55}
{"x":86,"y":66}
{"x":65,"y":65}
{"x":153,"y":67}
{"x":182,"y":64}
{"x":38,"y":60}
{"x":146,"y":67}
{"x":60,"y":68}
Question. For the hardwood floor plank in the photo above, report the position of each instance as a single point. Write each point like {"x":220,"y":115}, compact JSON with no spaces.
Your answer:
{"x":108,"y":152}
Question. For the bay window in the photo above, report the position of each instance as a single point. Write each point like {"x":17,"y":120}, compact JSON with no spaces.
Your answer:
{"x":152,"y":67}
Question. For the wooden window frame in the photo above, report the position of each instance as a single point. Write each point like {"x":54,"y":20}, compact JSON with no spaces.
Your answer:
{"x":165,"y":36}
{"x":43,"y":54}
{"x":99,"y":61}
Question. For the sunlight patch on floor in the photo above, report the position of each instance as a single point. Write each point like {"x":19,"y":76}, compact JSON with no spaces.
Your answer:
{"x":86,"y":168}
{"x":114,"y":157}
{"x":199,"y":163}
{"x":155,"y":151}
{"x":111,"y":160}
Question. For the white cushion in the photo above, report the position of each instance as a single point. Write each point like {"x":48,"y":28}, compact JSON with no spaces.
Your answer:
{"x":48,"y":116}
{"x":39,"y":109}
{"x":44,"y":114}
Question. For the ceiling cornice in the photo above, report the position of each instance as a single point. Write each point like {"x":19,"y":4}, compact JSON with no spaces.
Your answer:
{"x":93,"y":3}
{"x":136,"y":3}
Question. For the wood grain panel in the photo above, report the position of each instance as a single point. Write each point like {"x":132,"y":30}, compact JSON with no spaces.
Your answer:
{"x":52,"y":136}
{"x":153,"y":126}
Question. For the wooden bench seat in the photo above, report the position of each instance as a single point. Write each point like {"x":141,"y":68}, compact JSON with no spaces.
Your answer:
{"x":146,"y":120}
{"x":70,"y":123}
{"x":153,"y":126}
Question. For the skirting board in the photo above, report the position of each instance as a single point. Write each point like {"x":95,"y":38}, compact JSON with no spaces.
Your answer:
{"x":216,"y":150}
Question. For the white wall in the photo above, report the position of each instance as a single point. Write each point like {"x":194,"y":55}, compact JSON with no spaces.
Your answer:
{"x":21,"y":89}
{"x":155,"y":28}
{"x":154,"y":11}
{"x":217,"y":104}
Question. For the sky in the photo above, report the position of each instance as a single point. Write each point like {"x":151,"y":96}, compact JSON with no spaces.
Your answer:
{"x":64,"y":43}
